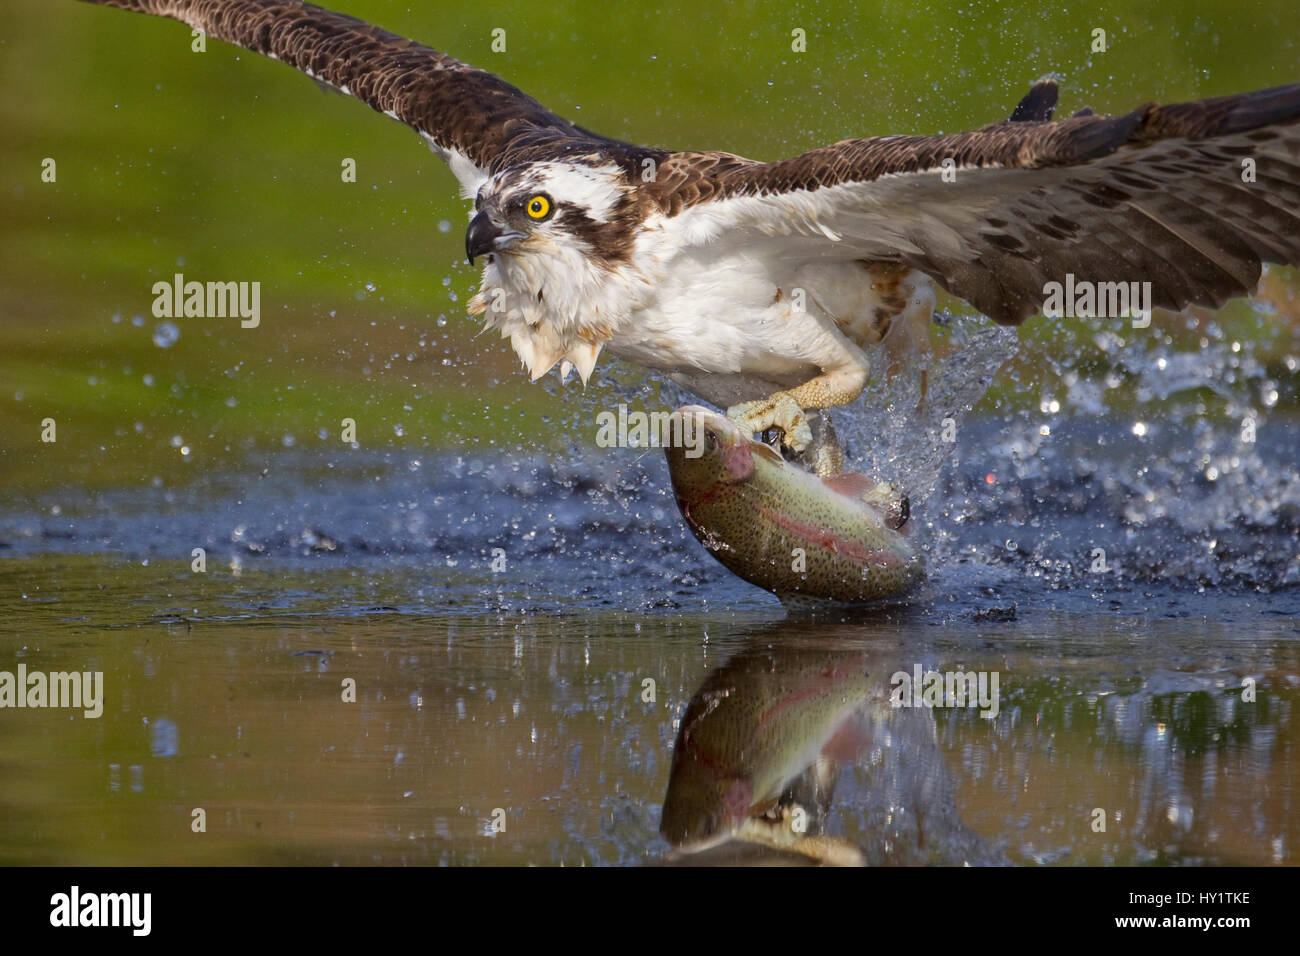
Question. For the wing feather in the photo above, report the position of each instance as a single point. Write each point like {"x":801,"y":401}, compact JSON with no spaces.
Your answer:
{"x":475,"y":120}
{"x":1157,"y":194}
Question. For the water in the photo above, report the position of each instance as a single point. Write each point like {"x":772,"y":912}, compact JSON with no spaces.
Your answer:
{"x":514,"y":680}
{"x":224,"y":694}
{"x":401,"y":655}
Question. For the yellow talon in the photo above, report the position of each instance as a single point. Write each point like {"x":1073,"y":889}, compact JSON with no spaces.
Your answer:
{"x":780,"y":410}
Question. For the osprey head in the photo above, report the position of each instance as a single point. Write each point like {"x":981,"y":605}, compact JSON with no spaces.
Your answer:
{"x":531,"y":208}
{"x":558,"y":238}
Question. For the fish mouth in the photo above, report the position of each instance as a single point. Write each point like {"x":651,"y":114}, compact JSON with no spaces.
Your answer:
{"x":709,"y":423}
{"x":710,"y":437}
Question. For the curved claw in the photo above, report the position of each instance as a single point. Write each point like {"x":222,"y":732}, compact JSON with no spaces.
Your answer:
{"x":776,"y":411}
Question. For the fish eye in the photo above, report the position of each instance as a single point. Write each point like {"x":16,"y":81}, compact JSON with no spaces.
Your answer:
{"x":539,"y":207}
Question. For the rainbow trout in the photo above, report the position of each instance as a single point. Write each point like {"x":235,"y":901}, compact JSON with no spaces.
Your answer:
{"x":750,"y":736}
{"x":778,"y":526}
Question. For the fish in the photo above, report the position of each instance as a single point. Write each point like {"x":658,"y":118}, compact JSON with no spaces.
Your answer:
{"x":781,"y":527}
{"x":760,"y":739}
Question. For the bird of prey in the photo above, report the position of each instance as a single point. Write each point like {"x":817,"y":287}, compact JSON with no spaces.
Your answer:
{"x":762,"y":287}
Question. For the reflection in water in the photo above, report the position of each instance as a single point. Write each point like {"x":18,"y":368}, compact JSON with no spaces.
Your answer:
{"x":792,"y":745}
{"x":225,"y":694}
{"x":758,"y":725}
{"x":768,"y":738}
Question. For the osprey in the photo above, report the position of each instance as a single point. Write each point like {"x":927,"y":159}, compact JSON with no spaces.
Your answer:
{"x":762,"y":286}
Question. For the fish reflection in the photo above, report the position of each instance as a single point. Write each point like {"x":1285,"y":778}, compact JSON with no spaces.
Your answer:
{"x":756,"y":727}
{"x":754,"y":758}
{"x":791,"y":752}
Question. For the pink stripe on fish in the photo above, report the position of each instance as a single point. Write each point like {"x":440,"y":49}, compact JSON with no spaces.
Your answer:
{"x":813,"y":534}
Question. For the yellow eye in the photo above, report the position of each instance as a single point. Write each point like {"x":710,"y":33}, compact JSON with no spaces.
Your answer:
{"x":539,"y":207}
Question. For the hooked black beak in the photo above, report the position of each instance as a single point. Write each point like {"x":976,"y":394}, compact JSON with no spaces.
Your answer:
{"x":484,"y":236}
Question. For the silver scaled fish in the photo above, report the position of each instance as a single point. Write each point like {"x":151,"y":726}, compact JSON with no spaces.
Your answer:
{"x":777,"y":525}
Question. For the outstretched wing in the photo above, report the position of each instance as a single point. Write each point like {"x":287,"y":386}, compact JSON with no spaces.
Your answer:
{"x":1191,"y":197}
{"x":475,"y":120}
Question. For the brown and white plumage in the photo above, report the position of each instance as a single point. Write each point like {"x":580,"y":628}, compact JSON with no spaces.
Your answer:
{"x":692,"y":262}
{"x":1155,"y":194}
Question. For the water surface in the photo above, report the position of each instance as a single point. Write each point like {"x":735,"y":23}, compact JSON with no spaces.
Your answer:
{"x":523,"y":690}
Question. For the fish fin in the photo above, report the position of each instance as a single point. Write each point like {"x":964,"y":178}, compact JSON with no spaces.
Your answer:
{"x":851,"y":485}
{"x":767,"y":451}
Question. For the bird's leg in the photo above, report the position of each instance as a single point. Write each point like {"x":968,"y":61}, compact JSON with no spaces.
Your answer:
{"x":785,"y":410}
{"x":779,"y":410}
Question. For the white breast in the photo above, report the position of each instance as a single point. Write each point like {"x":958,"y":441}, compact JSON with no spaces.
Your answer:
{"x":740,"y":319}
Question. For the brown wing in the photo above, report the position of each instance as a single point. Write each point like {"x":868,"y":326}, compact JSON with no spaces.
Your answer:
{"x":459,"y":108}
{"x":1155,"y":195}
{"x":1038,"y":103}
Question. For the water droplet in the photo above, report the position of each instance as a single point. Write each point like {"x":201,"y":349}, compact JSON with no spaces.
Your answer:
{"x":165,"y":334}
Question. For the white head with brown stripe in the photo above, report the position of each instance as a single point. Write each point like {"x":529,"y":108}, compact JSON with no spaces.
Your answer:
{"x":557,"y":238}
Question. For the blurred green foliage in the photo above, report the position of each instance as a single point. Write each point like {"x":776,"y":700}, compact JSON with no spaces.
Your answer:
{"x":225,"y":165}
